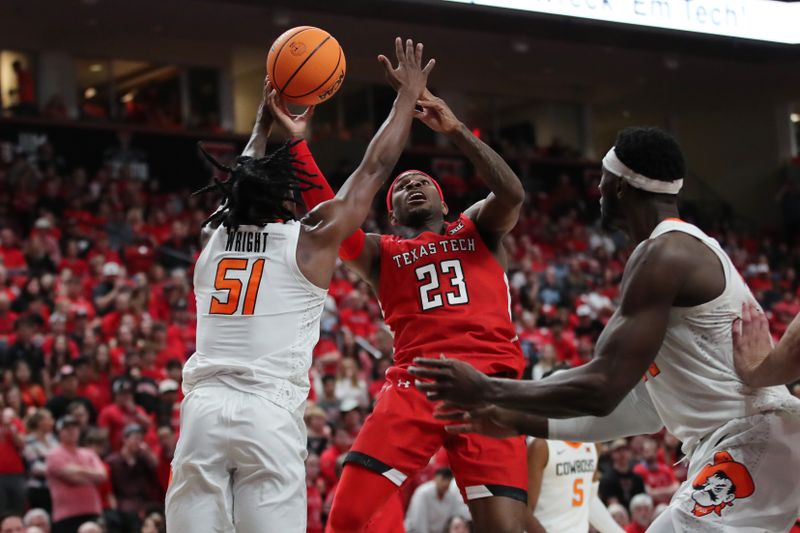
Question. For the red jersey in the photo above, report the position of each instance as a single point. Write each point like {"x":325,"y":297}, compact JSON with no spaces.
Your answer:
{"x":447,"y":294}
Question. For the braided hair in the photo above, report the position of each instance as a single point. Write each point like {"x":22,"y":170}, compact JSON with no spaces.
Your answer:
{"x":257,"y":188}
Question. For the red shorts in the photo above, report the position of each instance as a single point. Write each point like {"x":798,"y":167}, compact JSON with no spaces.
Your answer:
{"x":401,"y":435}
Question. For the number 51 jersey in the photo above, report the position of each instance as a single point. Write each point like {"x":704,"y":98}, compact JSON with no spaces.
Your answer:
{"x":447,"y":294}
{"x":257,"y":315}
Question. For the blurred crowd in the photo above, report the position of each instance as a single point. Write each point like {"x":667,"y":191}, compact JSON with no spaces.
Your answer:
{"x":97,"y":318}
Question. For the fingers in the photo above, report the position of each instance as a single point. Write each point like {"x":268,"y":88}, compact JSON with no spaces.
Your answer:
{"x":409,"y":51}
{"x":308,"y":113}
{"x":460,"y":428}
{"x":428,"y":373}
{"x":429,"y":67}
{"x":451,"y":415}
{"x":418,"y":54}
{"x":429,"y":386}
{"x":436,"y":363}
{"x":737,"y":333}
{"x":387,"y":65}
{"x":398,"y":49}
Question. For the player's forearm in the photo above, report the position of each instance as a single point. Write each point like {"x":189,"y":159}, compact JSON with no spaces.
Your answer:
{"x":257,"y":144}
{"x":572,"y":393}
{"x":385,"y":148}
{"x":380,"y":158}
{"x":494,"y":171}
{"x":782,"y":365}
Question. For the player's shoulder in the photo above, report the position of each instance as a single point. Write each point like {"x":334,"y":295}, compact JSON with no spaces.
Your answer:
{"x":671,"y":252}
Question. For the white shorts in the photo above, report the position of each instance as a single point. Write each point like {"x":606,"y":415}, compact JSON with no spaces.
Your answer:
{"x":742,"y":478}
{"x":238,"y":466}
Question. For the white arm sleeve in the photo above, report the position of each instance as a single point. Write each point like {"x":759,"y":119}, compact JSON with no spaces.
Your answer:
{"x":635,"y":415}
{"x":599,"y":517}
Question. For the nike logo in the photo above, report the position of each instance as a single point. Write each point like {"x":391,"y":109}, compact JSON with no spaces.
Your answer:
{"x":559,"y":452}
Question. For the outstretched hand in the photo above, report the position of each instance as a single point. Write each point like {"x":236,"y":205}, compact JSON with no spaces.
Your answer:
{"x":295,"y":125}
{"x":450,"y":380}
{"x":489,"y":420}
{"x":409,"y":73}
{"x":752,"y":341}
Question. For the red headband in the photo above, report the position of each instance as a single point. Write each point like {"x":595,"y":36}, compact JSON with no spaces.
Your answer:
{"x":404,"y":174}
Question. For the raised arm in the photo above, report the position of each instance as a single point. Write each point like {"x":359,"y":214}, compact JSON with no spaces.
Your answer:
{"x":257,"y":144}
{"x":336,"y":219}
{"x":625,"y":350}
{"x":758,"y":363}
{"x":498,"y":213}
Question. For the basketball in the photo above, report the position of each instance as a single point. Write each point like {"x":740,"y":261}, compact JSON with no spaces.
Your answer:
{"x":306,"y":65}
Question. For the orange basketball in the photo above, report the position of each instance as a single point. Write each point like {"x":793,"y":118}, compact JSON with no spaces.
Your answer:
{"x":306,"y":65}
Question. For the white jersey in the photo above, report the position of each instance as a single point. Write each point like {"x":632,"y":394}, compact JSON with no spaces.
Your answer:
{"x":692,"y":382}
{"x":257,"y":315}
{"x":563,"y":503}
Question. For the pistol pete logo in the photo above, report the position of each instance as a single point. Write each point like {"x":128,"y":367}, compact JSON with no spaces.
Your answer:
{"x":719,"y":484}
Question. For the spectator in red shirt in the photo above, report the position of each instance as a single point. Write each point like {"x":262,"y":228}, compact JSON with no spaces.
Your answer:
{"x":167,"y":440}
{"x":73,"y":261}
{"x":77,"y":301}
{"x":314,"y":490}
{"x":11,"y":255}
{"x":7,"y":320}
{"x":641,"y":514}
{"x":74,"y":474}
{"x":659,"y":479}
{"x":122,"y":412}
{"x":12,"y":466}
{"x":340,"y":444}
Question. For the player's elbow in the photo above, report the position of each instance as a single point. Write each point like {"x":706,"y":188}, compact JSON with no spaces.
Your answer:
{"x":602,"y":400}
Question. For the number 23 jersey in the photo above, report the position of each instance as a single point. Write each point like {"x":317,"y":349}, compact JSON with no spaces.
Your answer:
{"x":447,"y":294}
{"x":257,"y":315}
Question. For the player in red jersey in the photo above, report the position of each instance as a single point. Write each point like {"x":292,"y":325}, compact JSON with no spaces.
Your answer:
{"x":443,"y":290}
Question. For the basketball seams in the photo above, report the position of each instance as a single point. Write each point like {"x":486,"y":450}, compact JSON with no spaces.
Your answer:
{"x":317,"y":88}
{"x":301,"y":65}
{"x":283,"y":45}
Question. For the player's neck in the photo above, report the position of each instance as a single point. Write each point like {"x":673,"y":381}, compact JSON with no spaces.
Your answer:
{"x":433,"y":225}
{"x":642,"y":222}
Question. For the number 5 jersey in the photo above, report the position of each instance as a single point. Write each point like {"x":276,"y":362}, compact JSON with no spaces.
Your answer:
{"x":447,"y":294}
{"x":257,"y":315}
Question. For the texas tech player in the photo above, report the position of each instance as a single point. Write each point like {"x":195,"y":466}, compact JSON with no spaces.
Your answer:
{"x":443,"y":290}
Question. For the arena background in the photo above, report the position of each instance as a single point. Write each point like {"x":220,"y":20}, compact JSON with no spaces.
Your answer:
{"x":124,"y":90}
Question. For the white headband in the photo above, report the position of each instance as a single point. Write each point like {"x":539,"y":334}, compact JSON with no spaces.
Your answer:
{"x":615,"y":166}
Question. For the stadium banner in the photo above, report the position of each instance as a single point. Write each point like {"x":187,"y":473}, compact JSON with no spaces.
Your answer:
{"x":763,"y":20}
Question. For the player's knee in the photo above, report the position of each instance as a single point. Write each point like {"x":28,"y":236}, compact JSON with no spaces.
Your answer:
{"x":348,"y":519}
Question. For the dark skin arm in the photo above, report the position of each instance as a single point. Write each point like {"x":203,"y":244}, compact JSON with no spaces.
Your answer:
{"x":498,"y":213}
{"x":653,"y":279}
{"x":758,"y":362}
{"x":331,"y":222}
{"x":256,"y":146}
{"x":538,"y":455}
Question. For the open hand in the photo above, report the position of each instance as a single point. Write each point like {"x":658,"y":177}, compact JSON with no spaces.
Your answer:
{"x":409,"y":74}
{"x":489,"y":420}
{"x":752,"y":341}
{"x":450,"y":380}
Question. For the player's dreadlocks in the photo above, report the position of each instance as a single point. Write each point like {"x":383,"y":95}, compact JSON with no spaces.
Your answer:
{"x":257,"y":189}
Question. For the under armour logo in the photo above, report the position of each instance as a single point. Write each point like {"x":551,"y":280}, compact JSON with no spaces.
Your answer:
{"x":404,"y":384}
